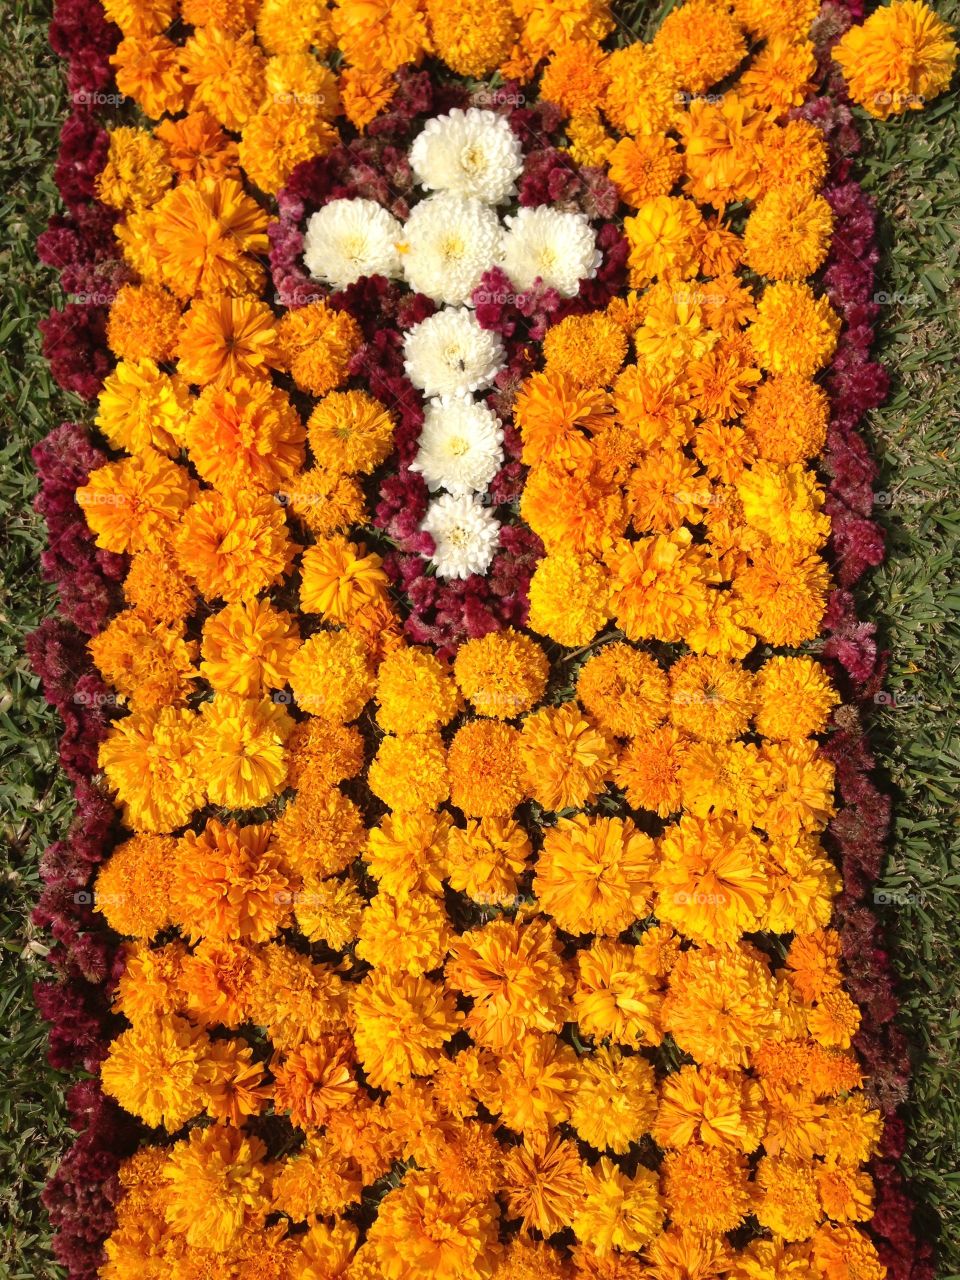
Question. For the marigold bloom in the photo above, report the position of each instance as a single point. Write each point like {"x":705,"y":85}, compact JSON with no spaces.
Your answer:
{"x":619,"y":1212}
{"x":473,"y":38}
{"x":795,"y":332}
{"x":316,"y":345}
{"x":663,"y":236}
{"x":233,"y":545}
{"x":245,"y":435}
{"x":556,"y":416}
{"x":404,"y":935}
{"x":293,"y":998}
{"x":415,"y":691}
{"x":710,"y":1106}
{"x":487,"y":777}
{"x":700,"y":42}
{"x":217,"y":1182}
{"x":615,"y":997}
{"x":711,"y":698}
{"x":783,"y":593}
{"x":137,"y":172}
{"x":132,"y":889}
{"x":321,"y":831}
{"x":148,"y":70}
{"x":902,"y":57}
{"x":287,"y":131}
{"x":141,"y":408}
{"x":594,"y":874}
{"x":409,"y":772}
{"x":314,"y":1081}
{"x":150,"y":760}
{"x":641,"y":90}
{"x":537,"y":1079}
{"x":197,"y":147}
{"x":720,"y":1001}
{"x":223,"y":338}
{"x":615,"y":1101}
{"x":402,"y":1023}
{"x":485,"y":859}
{"x":153,"y":1070}
{"x":226,"y":72}
{"x":151,"y":666}
{"x":135,"y":504}
{"x":331,"y":676}
{"x":319,"y":1180}
{"x":803,"y":885}
{"x":659,"y":585}
{"x":787,"y":419}
{"x":624,"y":690}
{"x":567,"y":758}
{"x":543,"y":1183}
{"x":645,"y":167}
{"x":408,"y":852}
{"x":711,"y":880}
{"x":143,"y":323}
{"x":706,"y":1189}
{"x":339,"y":578}
{"x":587,"y":349}
{"x":420,"y":1227}
{"x":215,"y":980}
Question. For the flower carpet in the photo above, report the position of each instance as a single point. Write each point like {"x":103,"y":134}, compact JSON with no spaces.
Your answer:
{"x":472,"y":866}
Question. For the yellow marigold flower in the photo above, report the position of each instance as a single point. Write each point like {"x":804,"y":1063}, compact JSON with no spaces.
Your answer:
{"x":408,"y":852}
{"x":132,"y":889}
{"x":576,"y":510}
{"x":381,"y":34}
{"x":619,"y":1212}
{"x":421,"y":1227}
{"x":720,"y":1001}
{"x":771,"y":18}
{"x":711,"y":698}
{"x":317,"y":345}
{"x":845,"y":1194}
{"x":589,"y":143}
{"x":795,"y":698}
{"x":834,"y":1020}
{"x":364,"y":93}
{"x":197,"y":147}
{"x":543,"y":1183}
{"x":624,"y":690}
{"x":320,"y":832}
{"x":721,"y":385}
{"x":788,"y":233}
{"x":148,"y":70}
{"x":787,"y":419}
{"x":587,"y":349}
{"x":280,"y":31}
{"x":293,"y":998}
{"x":140,"y":17}
{"x":151,"y":984}
{"x":659,"y":585}
{"x":486,"y":775}
{"x":401,"y":1026}
{"x":215,"y":979}
{"x":137,"y":172}
{"x":216,"y":1186}
{"x":514,"y":974}
{"x":141,"y":408}
{"x":247,"y":648}
{"x":665,"y":489}
{"x":285,"y":132}
{"x":472,"y":36}
{"x":795,"y":332}
{"x":792,"y":153}
{"x":240,"y":745}
{"x":575,"y":76}
{"x":410,"y":772}
{"x":537,"y":1078}
{"x":245,"y":435}
{"x":233,"y":545}
{"x":202,"y":237}
{"x":594,"y":874}
{"x":350,"y":430}
{"x":502,"y":674}
{"x":615,"y":997}
{"x":135,"y":504}
{"x":615,"y":1101}
{"x":674,"y":331}
{"x":652,"y":404}
{"x":711,"y":881}
{"x":783,"y":592}
{"x":723,"y":450}
{"x":229,"y":884}
{"x":659,"y":948}
{"x":329,"y":911}
{"x":143,"y":323}
{"x":226,"y":71}
{"x":556,"y":417}
{"x":798,"y":791}
{"x":780,"y":75}
{"x":151,"y":666}
{"x":331,"y":676}
{"x":902,"y":57}
{"x":318,"y":1180}
{"x":415,"y":691}
{"x":678,"y":1253}
{"x":150,"y":760}
{"x":712,"y":1107}
{"x":223,"y":339}
{"x":645,"y":167}
{"x":784,"y":503}
{"x":339,"y":577}
{"x":787,"y":1200}
{"x":569,"y":598}
{"x":486,"y":859}
{"x":326,"y":501}
{"x":813,"y":964}
{"x":233,"y":1083}
{"x":803,"y":885}
{"x":315,"y":1080}
{"x":641,"y":91}
{"x":406,"y":935}
{"x":853,"y":1128}
{"x":153,"y":1070}
{"x":567,"y":758}
{"x":299,"y":77}
{"x":723,"y":147}
{"x":706,"y":1189}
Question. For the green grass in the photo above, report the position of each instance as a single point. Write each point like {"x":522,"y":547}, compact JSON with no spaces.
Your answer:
{"x":34,"y":800}
{"x":912,"y":167}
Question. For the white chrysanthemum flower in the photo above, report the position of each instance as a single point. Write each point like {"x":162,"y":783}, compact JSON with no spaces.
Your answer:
{"x":559,"y":248}
{"x":465,"y":532}
{"x":460,"y":445}
{"x":448,"y":354}
{"x":347,"y":239}
{"x":449,"y":242}
{"x":472,"y":153}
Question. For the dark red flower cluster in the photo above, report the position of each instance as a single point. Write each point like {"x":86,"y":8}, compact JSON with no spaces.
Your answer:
{"x":376,"y":167}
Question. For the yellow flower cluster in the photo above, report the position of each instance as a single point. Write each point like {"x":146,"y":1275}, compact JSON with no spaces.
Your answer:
{"x":463,"y":968}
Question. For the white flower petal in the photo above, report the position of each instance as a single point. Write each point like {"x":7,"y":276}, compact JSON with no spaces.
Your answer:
{"x":348,"y":239}
{"x":466,"y":535}
{"x":460,"y":445}
{"x":449,"y":354}
{"x":559,"y":248}
{"x":449,"y":242}
{"x":471,"y":153}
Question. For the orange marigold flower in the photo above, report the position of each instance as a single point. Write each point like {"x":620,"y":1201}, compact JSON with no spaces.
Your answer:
{"x":320,"y":832}
{"x":641,"y":90}
{"x":795,"y":332}
{"x":706,"y":1189}
{"x":197,"y":147}
{"x":543,"y":1183}
{"x":233,"y":545}
{"x":902,"y":57}
{"x":132,"y":889}
{"x":486,"y":774}
{"x":502,"y":674}
{"x":556,"y":417}
{"x":223,"y":338}
{"x":624,"y":690}
{"x":143,"y":323}
{"x":215,"y":981}
{"x":404,"y":935}
{"x":240,"y":749}
{"x":153,"y":1070}
{"x":340,"y":577}
{"x":150,"y":760}
{"x":245,"y":435}
{"x":136,"y":503}
{"x":594,"y":874}
{"x":700,"y":43}
{"x":285,"y":132}
{"x":137,"y":171}
{"x":794,"y":698}
{"x":619,"y":1211}
{"x":720,"y":1001}
{"x":322,"y":753}
{"x":401,"y":1026}
{"x":568,"y":598}
{"x":409,"y":772}
{"x":350,"y":431}
{"x":587,"y":349}
{"x":408,"y":852}
{"x":575,"y":76}
{"x":615,"y":997}
{"x":788,"y":233}
{"x":711,"y":698}
{"x":615,"y":1101}
{"x":216,"y":1186}
{"x":248,"y":647}
{"x":710,"y":1106}
{"x":787,"y":418}
{"x":140,"y":408}
{"x":415,"y":691}
{"x":331,"y":676}
{"x":485,"y":859}
{"x":711,"y":880}
{"x":150,"y":666}
{"x":644,"y":167}
{"x":473,"y":37}
{"x":148,"y":70}
{"x":364,"y":93}
{"x":659,"y":585}
{"x":226,"y":71}
{"x":314,"y":1081}
{"x":567,"y":758}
